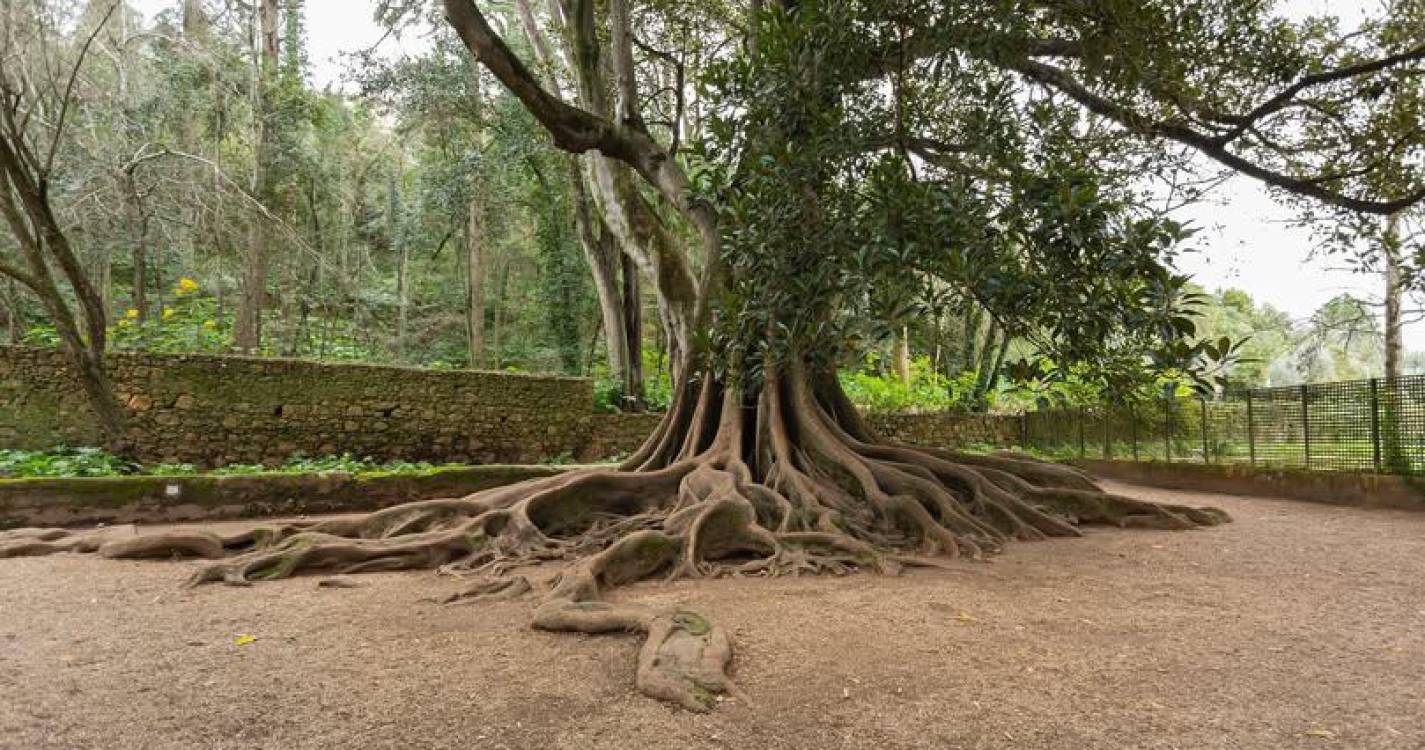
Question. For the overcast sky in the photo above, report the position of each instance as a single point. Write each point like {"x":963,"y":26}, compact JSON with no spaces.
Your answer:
{"x":1245,"y":236}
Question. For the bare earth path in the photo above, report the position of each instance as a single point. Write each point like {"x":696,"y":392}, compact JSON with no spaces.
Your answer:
{"x":1298,"y":626}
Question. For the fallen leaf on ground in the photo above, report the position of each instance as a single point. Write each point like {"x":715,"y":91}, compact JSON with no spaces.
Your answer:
{"x":243,"y":640}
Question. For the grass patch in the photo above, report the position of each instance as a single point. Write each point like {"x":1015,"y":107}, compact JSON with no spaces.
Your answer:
{"x":95,"y":462}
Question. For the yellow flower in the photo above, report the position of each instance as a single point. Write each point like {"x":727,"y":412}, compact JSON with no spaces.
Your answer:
{"x":167,"y":313}
{"x":187,"y":286}
{"x":209,"y":324}
{"x":131,"y":313}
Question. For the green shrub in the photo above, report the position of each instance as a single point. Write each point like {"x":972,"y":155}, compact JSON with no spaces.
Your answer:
{"x":63,"y":462}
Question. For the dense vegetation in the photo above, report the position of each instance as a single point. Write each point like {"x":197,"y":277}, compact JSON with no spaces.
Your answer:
{"x":95,"y":462}
{"x":420,"y":218}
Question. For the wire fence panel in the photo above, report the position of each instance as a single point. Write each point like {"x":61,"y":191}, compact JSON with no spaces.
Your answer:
{"x":1363,"y":425}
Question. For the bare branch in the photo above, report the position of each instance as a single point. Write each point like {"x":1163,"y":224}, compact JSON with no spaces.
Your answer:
{"x":69,"y":93}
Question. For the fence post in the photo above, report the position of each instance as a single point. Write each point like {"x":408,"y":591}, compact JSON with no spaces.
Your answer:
{"x":1081,"y":432}
{"x":1133,"y":427}
{"x":1168,"y":429}
{"x":1251,"y":432}
{"x":1305,"y":427}
{"x":1375,"y":423}
{"x":1206,"y":457}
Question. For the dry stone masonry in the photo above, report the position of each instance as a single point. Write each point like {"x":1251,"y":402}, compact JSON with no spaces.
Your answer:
{"x":215,"y":410}
{"x":211,"y":410}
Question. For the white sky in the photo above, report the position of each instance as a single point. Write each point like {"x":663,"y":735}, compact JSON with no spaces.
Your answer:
{"x":1244,"y":234}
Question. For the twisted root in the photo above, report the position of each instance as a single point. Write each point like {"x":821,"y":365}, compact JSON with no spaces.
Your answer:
{"x":791,"y":482}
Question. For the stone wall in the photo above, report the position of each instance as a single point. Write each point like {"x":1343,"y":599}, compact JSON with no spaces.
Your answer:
{"x":210,"y":410}
{"x":617,"y":435}
{"x":621,"y":434}
{"x":85,"y":501}
{"x":949,"y":430}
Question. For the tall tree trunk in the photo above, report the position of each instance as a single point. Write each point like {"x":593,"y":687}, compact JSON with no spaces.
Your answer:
{"x":603,"y":257}
{"x":137,"y":219}
{"x":247,"y":329}
{"x":633,"y":337}
{"x":973,"y":317}
{"x":10,"y":301}
{"x":497,"y":330}
{"x":991,"y":357}
{"x":475,"y":262}
{"x":195,"y":20}
{"x":901,"y":357}
{"x":1393,"y":289}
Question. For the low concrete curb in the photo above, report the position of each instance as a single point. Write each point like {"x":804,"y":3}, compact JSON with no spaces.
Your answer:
{"x":1348,"y":488}
{"x":149,"y":499}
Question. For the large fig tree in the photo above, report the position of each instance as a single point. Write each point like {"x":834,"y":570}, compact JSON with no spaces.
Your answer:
{"x":849,"y":157}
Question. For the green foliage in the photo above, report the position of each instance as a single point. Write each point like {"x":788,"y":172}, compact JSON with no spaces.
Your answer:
{"x":298,"y":463}
{"x":62,"y":462}
{"x":95,"y":462}
{"x":657,"y":385}
{"x":927,"y":390}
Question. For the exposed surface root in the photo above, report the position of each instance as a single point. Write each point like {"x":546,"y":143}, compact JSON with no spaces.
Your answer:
{"x":784,"y":481}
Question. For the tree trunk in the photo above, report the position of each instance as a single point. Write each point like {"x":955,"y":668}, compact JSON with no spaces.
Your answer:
{"x":973,"y":316}
{"x":1393,"y":291}
{"x":11,"y":302}
{"x":633,"y":336}
{"x":475,"y":262}
{"x":195,"y":20}
{"x":604,"y":259}
{"x":497,"y":330}
{"x":42,"y":242}
{"x":252,"y":295}
{"x":757,"y":468}
{"x":991,"y":358}
{"x":137,"y":220}
{"x":901,"y":356}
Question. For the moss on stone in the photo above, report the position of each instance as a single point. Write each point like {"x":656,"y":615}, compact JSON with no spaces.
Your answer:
{"x":90,"y":499}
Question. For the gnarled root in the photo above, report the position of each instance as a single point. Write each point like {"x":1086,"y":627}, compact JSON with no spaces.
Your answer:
{"x":783,"y":481}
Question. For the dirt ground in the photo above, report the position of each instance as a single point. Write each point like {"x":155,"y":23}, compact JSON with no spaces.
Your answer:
{"x":1298,"y":626}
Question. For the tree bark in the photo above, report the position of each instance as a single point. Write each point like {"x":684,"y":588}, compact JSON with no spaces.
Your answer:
{"x":633,"y":335}
{"x":138,"y":231}
{"x":195,"y":20}
{"x":11,"y":302}
{"x":475,"y":263}
{"x":901,"y":356}
{"x":252,"y":296}
{"x":1393,"y":291}
{"x":26,"y":209}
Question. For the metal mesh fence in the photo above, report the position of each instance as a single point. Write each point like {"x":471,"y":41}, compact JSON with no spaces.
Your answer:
{"x":1363,"y":425}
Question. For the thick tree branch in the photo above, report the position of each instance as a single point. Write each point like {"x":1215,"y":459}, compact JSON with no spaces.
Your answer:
{"x":1287,"y":96}
{"x":625,"y":76}
{"x":1064,"y":82}
{"x":15,"y":273}
{"x":944,"y":38}
{"x":573,"y":129}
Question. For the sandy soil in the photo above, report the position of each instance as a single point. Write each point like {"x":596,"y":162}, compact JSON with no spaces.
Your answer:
{"x":1299,"y":626}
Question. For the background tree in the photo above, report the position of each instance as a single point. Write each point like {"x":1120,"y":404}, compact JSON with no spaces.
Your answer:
{"x":37,"y":83}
